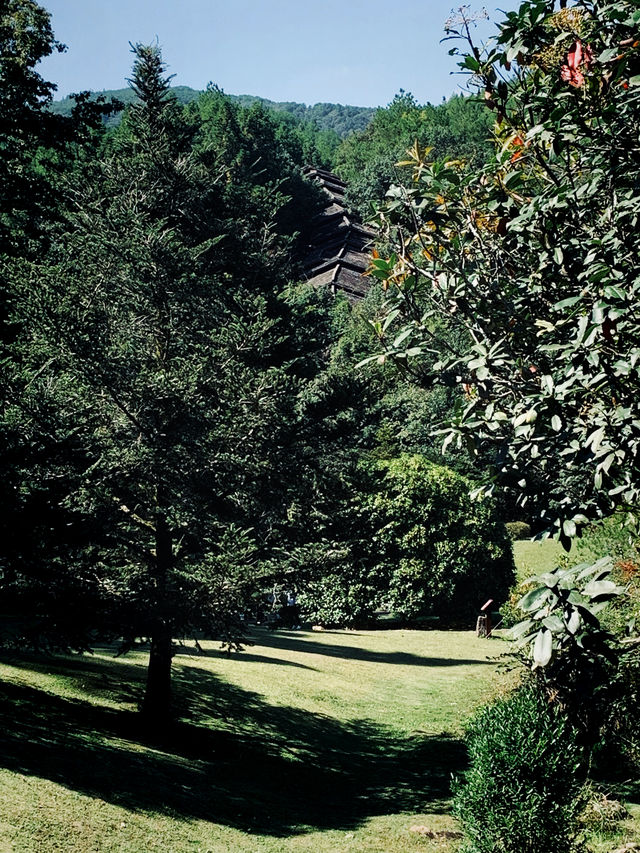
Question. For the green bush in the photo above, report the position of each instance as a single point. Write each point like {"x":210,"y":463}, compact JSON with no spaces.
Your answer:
{"x":510,"y":612}
{"x":619,"y":747}
{"x":441,"y":552}
{"x":618,"y":750}
{"x":610,"y":538}
{"x":414,"y":542}
{"x":338,"y":601}
{"x":518,"y":530}
{"x":523,"y":791}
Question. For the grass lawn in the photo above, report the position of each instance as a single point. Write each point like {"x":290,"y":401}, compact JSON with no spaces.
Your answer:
{"x":308,"y":741}
{"x":536,"y":557}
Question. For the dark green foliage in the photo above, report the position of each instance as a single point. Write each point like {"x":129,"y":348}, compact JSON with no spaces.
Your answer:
{"x":609,"y":538}
{"x":518,"y":530}
{"x":148,"y":83}
{"x":34,"y":144}
{"x":534,"y":256}
{"x":354,"y":423}
{"x":35,"y":149}
{"x":396,"y":415}
{"x":319,"y":128}
{"x":618,"y":749}
{"x":409,"y":538}
{"x":263,"y":156}
{"x":510,"y":613}
{"x":617,"y":753}
{"x":562,"y":625}
{"x":441,"y":552}
{"x":459,"y":128}
{"x":613,"y":539}
{"x":522,"y":793}
{"x":25,"y":38}
{"x":154,"y":380}
{"x":589,"y":673}
{"x":341,"y":599}
{"x":576,"y":658}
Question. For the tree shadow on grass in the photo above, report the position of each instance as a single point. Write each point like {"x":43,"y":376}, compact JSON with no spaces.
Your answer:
{"x":244,"y":655}
{"x":295,"y":642}
{"x":254,"y":766}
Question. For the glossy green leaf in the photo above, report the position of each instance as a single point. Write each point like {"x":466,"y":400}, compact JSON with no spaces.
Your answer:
{"x":542,"y":648}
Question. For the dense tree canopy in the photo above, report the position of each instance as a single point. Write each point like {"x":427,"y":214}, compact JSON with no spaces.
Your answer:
{"x":33,"y":141}
{"x":459,"y":129}
{"x":152,"y":370}
{"x":182,"y":423}
{"x":330,"y":121}
{"x":533,"y":259}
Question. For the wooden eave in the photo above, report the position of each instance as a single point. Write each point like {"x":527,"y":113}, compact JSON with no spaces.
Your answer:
{"x":338,"y":249}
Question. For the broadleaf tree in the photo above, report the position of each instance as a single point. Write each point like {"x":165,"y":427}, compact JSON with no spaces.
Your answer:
{"x":533,"y":261}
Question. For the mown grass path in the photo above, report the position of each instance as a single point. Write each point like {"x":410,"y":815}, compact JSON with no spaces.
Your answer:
{"x":307,"y":741}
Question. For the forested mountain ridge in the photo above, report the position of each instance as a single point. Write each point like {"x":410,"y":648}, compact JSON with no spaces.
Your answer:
{"x":341,"y":118}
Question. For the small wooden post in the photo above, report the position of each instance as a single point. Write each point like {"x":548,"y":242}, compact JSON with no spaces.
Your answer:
{"x":483,"y":625}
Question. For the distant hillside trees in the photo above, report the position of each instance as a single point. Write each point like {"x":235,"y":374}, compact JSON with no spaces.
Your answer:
{"x":319,"y":128}
{"x":362,"y":143}
{"x":457,"y":129}
{"x":340,"y":118}
{"x":262,"y":150}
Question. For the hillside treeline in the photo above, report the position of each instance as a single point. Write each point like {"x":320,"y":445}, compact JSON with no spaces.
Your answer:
{"x":363,"y":143}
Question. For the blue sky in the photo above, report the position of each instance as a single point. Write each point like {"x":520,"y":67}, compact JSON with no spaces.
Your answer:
{"x":358,"y":52}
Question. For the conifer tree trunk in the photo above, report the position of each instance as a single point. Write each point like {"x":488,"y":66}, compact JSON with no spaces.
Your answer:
{"x":156,"y":706}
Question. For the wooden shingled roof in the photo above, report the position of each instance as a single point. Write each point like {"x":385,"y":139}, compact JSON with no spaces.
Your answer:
{"x":339,"y":247}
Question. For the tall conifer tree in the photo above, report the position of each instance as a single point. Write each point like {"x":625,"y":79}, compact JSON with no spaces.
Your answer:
{"x":156,"y":343}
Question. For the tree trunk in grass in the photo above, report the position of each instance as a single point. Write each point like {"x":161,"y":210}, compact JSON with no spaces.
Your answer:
{"x":156,"y":706}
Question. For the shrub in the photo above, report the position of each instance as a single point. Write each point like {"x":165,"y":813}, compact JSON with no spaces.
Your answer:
{"x":523,"y":791}
{"x":618,"y":750}
{"x":518,"y":530}
{"x":338,"y":601}
{"x":414,"y":542}
{"x":510,"y":611}
{"x":610,"y":538}
{"x":601,"y":813}
{"x":442,"y":552}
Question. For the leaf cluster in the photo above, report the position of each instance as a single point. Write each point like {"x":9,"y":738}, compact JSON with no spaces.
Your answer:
{"x":562,"y":613}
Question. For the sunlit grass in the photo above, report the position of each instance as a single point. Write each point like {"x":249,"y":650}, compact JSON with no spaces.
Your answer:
{"x":536,"y":557}
{"x":308,"y":741}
